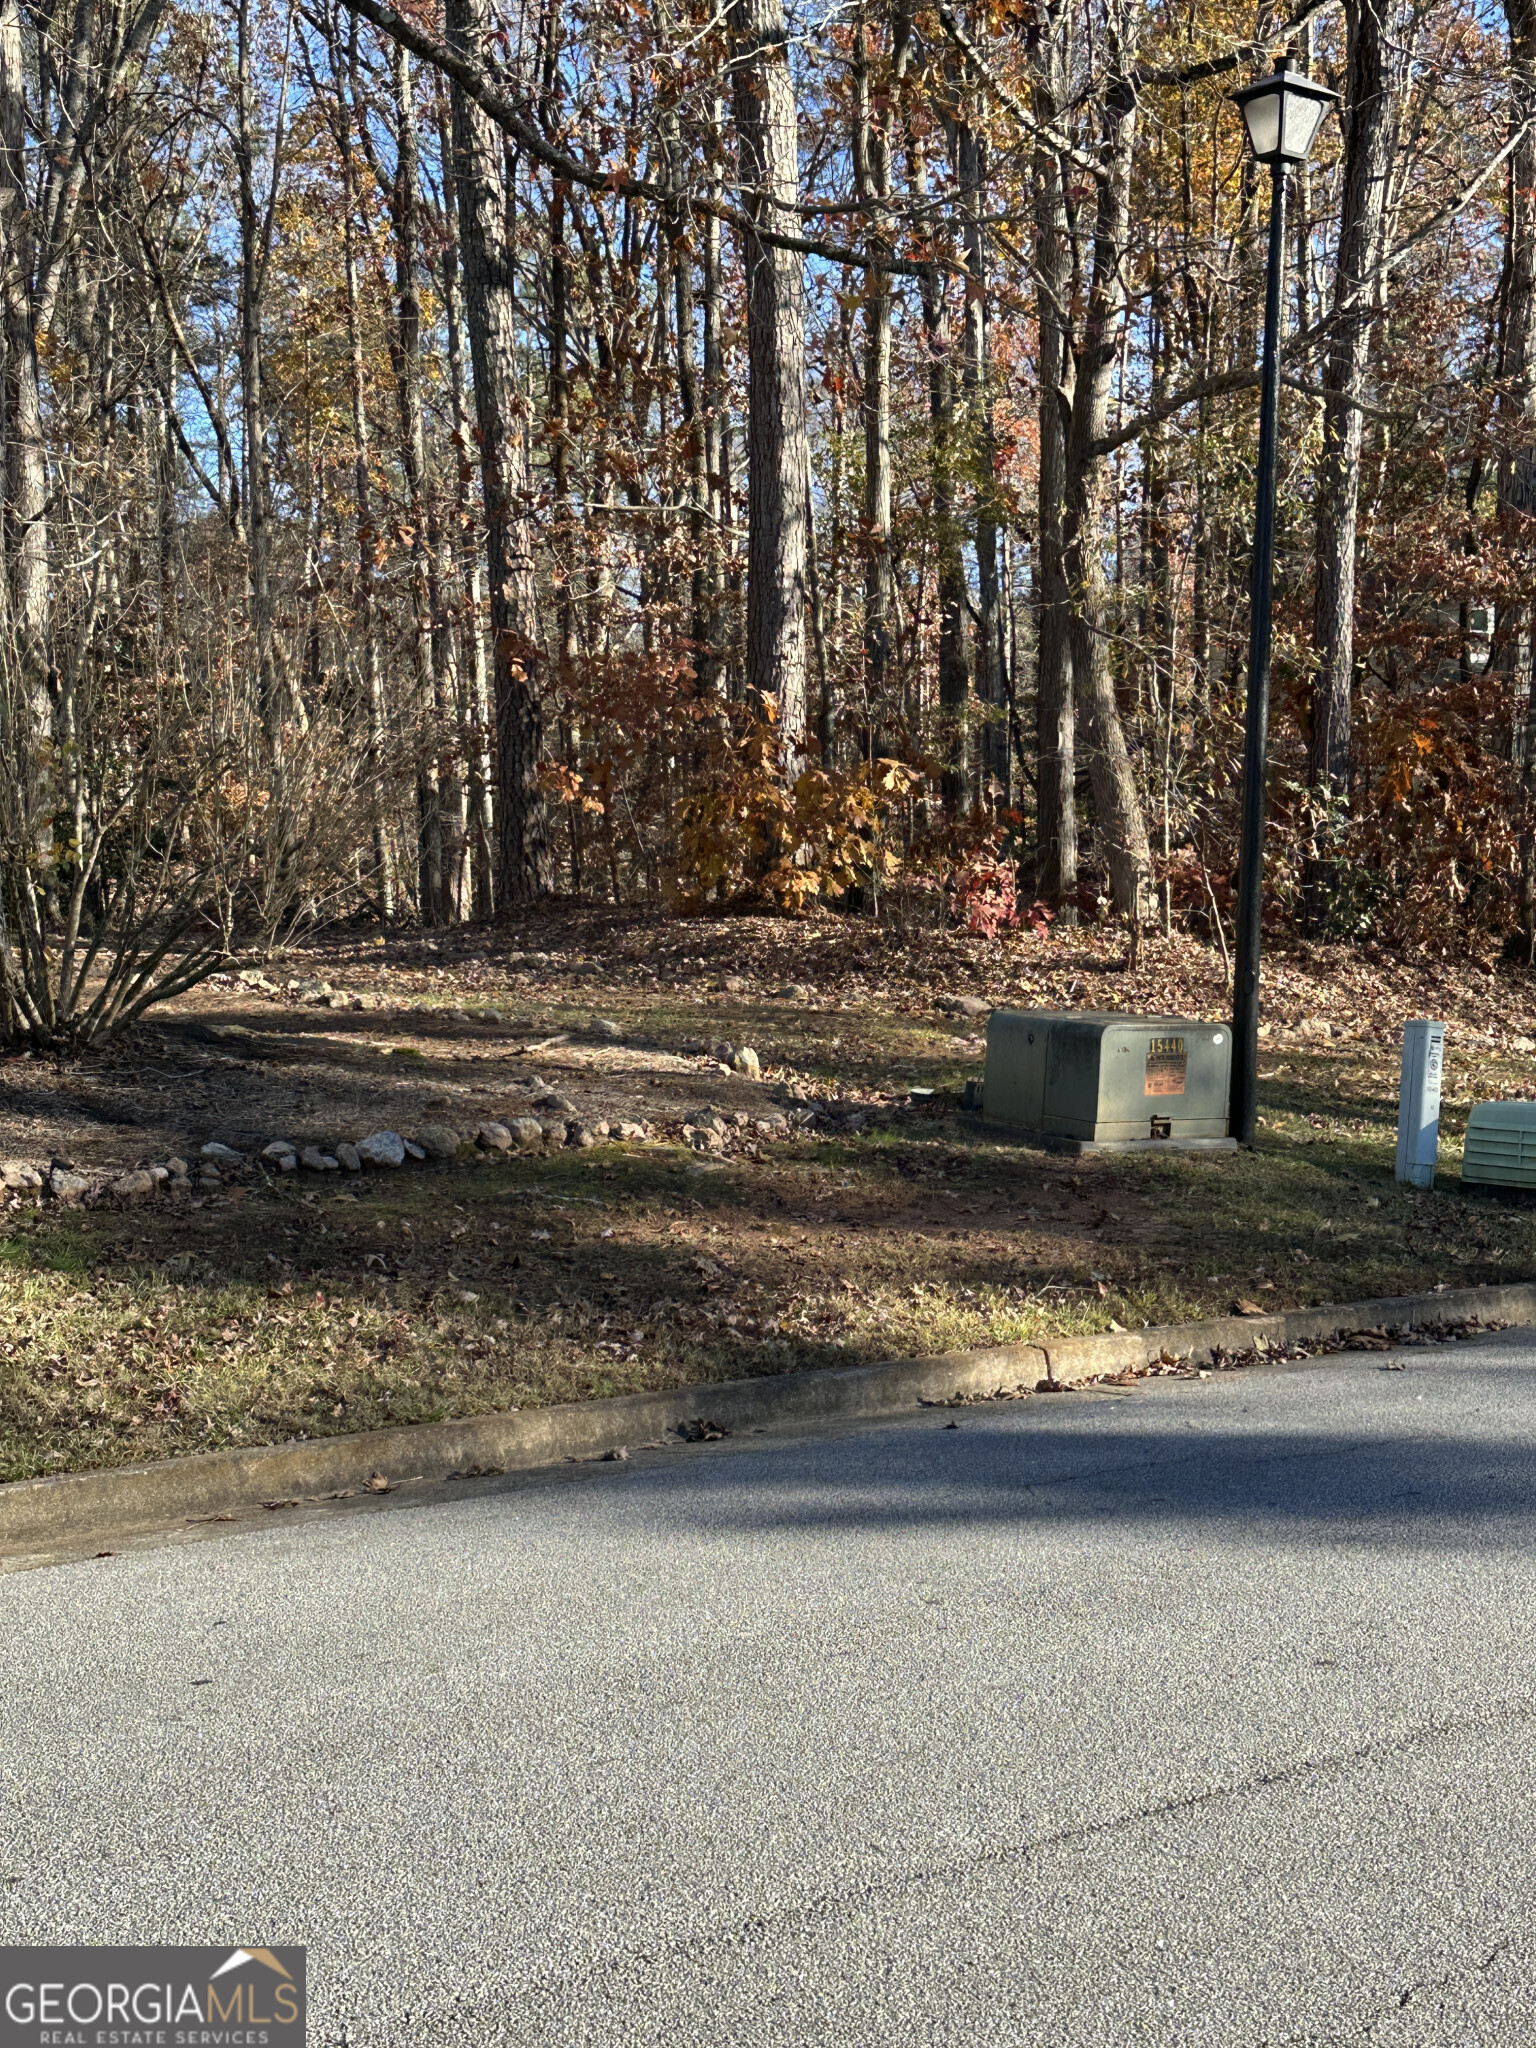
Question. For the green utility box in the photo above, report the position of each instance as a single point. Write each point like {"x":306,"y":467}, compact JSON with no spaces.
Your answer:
{"x":1091,"y":1080}
{"x":1501,"y":1145}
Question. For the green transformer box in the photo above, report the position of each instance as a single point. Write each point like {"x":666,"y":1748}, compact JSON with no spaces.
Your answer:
{"x":1092,"y":1080}
{"x":1501,"y":1145}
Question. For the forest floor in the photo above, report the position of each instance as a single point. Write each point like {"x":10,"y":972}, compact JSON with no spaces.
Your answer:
{"x":836,"y":1218}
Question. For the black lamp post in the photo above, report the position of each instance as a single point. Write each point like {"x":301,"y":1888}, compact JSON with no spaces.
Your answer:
{"x":1282,"y":115}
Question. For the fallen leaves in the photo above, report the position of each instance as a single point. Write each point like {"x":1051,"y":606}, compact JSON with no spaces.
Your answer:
{"x":702,"y":1431}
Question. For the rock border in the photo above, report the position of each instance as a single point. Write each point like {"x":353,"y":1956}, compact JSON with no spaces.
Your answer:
{"x":63,"y":1511}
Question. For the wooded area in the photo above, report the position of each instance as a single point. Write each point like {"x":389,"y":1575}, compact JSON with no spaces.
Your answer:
{"x":760,"y":455}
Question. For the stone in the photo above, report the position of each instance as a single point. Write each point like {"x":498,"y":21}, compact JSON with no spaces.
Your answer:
{"x":176,"y":1168}
{"x":605,"y":1029}
{"x":734,"y":985}
{"x":1314,"y":1028}
{"x":438,"y":1141}
{"x":795,"y":992}
{"x":460,"y":1017}
{"x":491,"y":1016}
{"x":349,"y":1159}
{"x":133,"y":1187}
{"x":159,"y":1173}
{"x":527,"y":1132}
{"x":15,"y":1173}
{"x":223,"y":1155}
{"x":703,"y":1138}
{"x":555,"y":1105}
{"x":277,"y":1152}
{"x":381,"y":1148}
{"x":628,"y":1133}
{"x":495,"y":1138}
{"x":554,"y":1131}
{"x":414,"y":1151}
{"x":580,"y":1134}
{"x":65,"y":1185}
{"x":316,"y":1160}
{"x":964,"y":1006}
{"x":745,"y":1061}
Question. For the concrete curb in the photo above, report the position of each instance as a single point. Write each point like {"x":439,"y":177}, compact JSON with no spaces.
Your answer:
{"x":45,"y":1514}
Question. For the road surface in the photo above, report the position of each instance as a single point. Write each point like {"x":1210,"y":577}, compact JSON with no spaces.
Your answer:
{"x":1202,"y":1713}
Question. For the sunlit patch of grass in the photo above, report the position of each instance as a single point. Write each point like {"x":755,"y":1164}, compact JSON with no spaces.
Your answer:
{"x":50,"y":1247}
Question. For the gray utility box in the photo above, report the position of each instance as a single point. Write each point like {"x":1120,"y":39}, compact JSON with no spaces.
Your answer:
{"x":1089,"y":1078}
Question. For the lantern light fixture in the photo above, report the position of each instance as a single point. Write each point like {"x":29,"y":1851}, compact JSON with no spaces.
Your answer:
{"x":1282,"y":114}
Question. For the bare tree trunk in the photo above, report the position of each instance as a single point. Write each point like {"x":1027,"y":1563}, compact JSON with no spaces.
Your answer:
{"x":523,"y":863}
{"x":437,"y":855}
{"x":954,"y":659}
{"x":717,"y":438}
{"x":777,"y":458}
{"x":560,"y":478}
{"x":255,"y":244}
{"x":26,"y":480}
{"x":994,"y":753}
{"x":872,"y":177}
{"x":1372,"y":110}
{"x":816,"y":613}
{"x":480,"y":813}
{"x":1116,"y":798}
{"x":367,"y":534}
{"x":1055,"y":706}
{"x":1517,"y":368}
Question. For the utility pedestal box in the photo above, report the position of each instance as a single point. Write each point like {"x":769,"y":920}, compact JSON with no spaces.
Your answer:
{"x":1094,"y":1081}
{"x":1418,"y":1111}
{"x":1501,"y":1145}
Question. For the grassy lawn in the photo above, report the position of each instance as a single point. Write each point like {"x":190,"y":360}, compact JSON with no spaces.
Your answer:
{"x":297,"y":1310}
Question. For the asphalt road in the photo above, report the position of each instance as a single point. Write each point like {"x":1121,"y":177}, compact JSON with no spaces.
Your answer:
{"x":1199,"y":1714}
